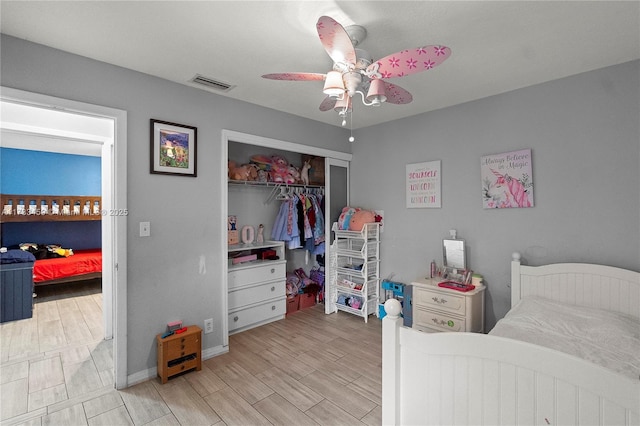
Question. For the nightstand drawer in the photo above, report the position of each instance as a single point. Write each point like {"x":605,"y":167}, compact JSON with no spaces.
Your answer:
{"x":267,"y":271}
{"x":255,"y":294}
{"x":438,"y":320}
{"x":440,"y":300}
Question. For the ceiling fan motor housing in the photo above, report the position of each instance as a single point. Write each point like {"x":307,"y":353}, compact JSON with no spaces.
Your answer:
{"x":351,"y":82}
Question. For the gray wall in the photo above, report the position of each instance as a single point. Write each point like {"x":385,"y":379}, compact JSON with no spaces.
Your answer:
{"x":163,"y":279}
{"x":585,"y":139}
{"x":583,"y":131}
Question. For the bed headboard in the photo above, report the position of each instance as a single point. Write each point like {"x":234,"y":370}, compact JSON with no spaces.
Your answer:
{"x":40,"y":208}
{"x":581,"y":284}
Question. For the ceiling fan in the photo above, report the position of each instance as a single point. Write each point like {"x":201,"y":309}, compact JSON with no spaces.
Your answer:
{"x":354,"y":71}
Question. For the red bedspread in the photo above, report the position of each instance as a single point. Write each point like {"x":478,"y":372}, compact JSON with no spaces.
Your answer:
{"x":82,"y":262}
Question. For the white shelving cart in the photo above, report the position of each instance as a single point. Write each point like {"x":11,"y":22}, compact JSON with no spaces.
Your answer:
{"x":354,"y":273}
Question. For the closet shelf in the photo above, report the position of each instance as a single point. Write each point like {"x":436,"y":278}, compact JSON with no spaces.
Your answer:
{"x":272,"y":184}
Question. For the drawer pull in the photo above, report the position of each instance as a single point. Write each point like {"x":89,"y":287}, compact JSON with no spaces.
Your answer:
{"x":273,"y":288}
{"x":235,"y":319}
{"x":441,"y":301}
{"x":181,"y":346}
{"x":182,"y":367}
{"x":183,"y":340}
{"x":273,"y":270}
{"x":273,"y":308}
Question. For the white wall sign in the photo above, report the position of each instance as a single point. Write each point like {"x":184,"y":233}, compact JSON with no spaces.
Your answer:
{"x":423,"y":185}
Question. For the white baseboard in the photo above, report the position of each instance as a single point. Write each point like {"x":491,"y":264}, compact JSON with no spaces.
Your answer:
{"x":215,"y":351}
{"x":150,"y":373}
{"x":141,"y":376}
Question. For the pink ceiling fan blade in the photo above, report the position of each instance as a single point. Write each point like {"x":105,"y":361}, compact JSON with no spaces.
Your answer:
{"x":396,"y":94}
{"x":328,"y":103}
{"x":410,"y":61}
{"x":296,"y":76}
{"x":336,"y":41}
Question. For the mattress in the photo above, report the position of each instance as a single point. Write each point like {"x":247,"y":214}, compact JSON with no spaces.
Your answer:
{"x":82,"y":262}
{"x":606,"y":338}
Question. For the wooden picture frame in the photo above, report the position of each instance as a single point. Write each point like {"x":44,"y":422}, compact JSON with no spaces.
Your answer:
{"x":173,"y":148}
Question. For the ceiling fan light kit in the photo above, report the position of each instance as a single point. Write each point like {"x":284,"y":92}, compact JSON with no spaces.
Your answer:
{"x":354,"y":70}
{"x":333,"y":85}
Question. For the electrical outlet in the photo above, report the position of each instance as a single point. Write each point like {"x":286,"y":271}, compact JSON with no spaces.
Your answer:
{"x":208,"y":326}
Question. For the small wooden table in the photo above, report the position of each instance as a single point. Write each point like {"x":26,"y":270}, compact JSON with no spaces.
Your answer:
{"x":179,"y":353}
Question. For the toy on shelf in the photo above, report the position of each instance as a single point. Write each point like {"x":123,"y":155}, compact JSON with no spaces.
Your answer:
{"x":304,"y":174}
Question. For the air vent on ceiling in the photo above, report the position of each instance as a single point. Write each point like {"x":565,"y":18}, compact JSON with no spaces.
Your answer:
{"x":211,"y":83}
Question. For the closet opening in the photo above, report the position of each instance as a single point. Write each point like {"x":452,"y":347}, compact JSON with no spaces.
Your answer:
{"x":277,"y":197}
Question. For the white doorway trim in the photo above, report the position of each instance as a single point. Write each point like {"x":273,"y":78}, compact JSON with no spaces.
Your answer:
{"x":114,"y":199}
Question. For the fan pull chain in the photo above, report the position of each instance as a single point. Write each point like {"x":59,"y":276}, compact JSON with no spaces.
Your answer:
{"x":351,"y":138}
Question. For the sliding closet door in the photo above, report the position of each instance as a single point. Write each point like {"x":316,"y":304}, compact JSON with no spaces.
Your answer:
{"x":337,"y":197}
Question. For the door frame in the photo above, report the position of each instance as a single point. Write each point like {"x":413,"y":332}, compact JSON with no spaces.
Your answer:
{"x":234,"y":136}
{"x":329,"y":306}
{"x":114,"y":198}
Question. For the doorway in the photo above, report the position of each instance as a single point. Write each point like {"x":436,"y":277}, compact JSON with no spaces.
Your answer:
{"x":81,"y":126}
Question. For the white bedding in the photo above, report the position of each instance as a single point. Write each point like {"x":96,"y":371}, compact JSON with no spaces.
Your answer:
{"x":609,"y":339}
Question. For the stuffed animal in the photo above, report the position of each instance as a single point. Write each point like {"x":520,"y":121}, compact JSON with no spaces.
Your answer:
{"x":231,"y":166}
{"x":247,"y":172}
{"x":304,"y":175}
{"x":280,"y":171}
{"x":345,"y":217}
{"x":359,"y":218}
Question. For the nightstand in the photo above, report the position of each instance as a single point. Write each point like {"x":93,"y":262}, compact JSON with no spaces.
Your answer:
{"x":179,"y":353}
{"x":443,"y":309}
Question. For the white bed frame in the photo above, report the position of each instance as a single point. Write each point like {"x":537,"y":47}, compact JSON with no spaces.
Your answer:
{"x":476,"y":379}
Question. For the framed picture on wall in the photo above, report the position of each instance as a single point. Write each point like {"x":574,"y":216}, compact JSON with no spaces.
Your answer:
{"x":507,"y":180}
{"x":423,"y":185}
{"x":173,"y":148}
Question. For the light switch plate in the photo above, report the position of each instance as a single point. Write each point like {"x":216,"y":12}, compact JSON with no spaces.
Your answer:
{"x":145,"y":229}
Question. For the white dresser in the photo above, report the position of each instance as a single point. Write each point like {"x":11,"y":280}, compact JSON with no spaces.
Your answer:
{"x":442,"y":309}
{"x":256,"y":289}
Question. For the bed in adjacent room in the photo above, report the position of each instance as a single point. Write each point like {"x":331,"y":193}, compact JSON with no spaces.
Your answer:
{"x":64,"y":217}
{"x":82,"y":265}
{"x":568,"y":352}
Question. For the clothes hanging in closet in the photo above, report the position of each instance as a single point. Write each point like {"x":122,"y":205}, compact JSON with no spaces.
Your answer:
{"x":300,"y":223}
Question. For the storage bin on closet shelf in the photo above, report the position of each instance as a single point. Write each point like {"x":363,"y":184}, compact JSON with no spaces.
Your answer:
{"x":355,"y":277}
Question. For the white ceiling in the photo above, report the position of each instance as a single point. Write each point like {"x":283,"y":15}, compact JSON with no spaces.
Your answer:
{"x":497,"y":46}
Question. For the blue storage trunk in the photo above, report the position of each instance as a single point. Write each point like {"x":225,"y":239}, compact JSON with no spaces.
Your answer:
{"x":16,"y":291}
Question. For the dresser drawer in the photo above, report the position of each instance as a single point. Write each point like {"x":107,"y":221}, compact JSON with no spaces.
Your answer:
{"x":267,"y":271}
{"x":182,"y":366}
{"x":438,"y":320}
{"x":180,"y":347}
{"x":255,"y":314}
{"x":439,"y":300}
{"x":256,"y":293}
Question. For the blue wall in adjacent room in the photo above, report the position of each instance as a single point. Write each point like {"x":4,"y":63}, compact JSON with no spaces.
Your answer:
{"x":47,"y":173}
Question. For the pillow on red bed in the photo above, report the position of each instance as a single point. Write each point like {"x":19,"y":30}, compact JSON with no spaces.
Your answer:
{"x":16,"y":256}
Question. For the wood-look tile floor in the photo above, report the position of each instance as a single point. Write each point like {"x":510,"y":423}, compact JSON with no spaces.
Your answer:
{"x":308,"y":369}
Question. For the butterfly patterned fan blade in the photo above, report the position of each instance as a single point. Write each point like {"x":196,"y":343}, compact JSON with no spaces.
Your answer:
{"x":296,"y":76}
{"x":410,"y":61}
{"x":336,"y":41}
{"x":396,"y":94}
{"x":328,"y":103}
